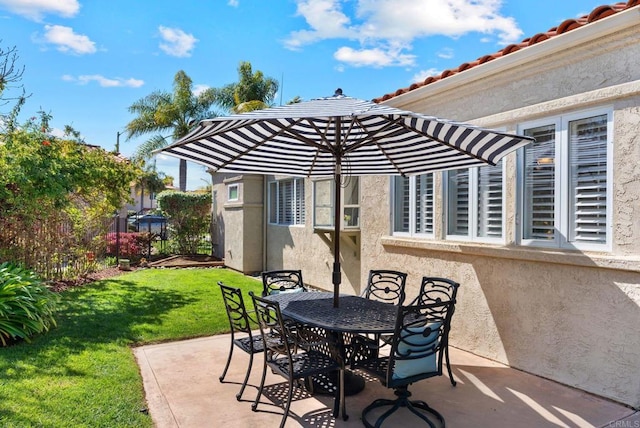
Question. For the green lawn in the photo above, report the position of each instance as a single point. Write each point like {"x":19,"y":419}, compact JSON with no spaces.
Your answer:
{"x":83,"y":372}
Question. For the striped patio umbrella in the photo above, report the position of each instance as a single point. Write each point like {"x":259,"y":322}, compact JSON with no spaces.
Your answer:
{"x":337,"y":136}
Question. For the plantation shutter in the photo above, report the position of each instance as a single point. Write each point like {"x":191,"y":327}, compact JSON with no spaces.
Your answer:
{"x":588,"y":179}
{"x":458,"y":202}
{"x":490,"y":201}
{"x":273,"y":202}
{"x":539,"y":184}
{"x":299,"y":206}
{"x":402,"y":204}
{"x":285,"y":199}
{"x":424,"y":203}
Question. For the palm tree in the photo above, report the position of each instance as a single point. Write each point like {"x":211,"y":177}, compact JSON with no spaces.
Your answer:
{"x":252,"y":92}
{"x":175,"y":113}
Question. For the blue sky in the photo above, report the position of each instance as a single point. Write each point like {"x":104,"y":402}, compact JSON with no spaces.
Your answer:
{"x":86,"y":62}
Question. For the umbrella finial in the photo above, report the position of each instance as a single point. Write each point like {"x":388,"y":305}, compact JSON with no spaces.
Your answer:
{"x":338,"y":92}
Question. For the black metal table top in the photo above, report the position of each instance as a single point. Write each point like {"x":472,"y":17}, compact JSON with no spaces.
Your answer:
{"x":354,"y":314}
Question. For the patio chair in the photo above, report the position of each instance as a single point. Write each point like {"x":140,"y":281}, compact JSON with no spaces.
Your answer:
{"x":416,"y":353}
{"x":386,"y":286}
{"x":282,"y":358}
{"x":240,"y":322}
{"x":282,"y":281}
{"x":436,"y":290}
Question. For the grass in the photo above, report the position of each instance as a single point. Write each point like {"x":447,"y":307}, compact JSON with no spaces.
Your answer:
{"x":83,"y":373}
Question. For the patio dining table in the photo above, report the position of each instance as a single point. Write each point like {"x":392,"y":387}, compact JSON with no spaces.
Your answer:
{"x":354,"y":315}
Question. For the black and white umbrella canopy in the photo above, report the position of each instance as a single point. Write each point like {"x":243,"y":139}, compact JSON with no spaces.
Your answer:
{"x":336,"y":136}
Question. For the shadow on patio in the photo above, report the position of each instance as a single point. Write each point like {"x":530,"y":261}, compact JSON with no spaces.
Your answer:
{"x":183,"y":390}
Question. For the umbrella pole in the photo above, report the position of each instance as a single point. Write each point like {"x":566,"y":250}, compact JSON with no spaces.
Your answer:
{"x":336,"y":236}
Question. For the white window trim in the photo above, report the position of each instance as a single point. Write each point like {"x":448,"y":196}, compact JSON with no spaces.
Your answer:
{"x":237,"y":189}
{"x":343,"y":206}
{"x":473,"y":209}
{"x":412,"y":211}
{"x":296,"y":182}
{"x":561,"y":185}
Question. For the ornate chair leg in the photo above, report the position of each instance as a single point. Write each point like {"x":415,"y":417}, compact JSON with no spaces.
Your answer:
{"x":446,"y":355}
{"x":288,"y":405}
{"x":246,"y":378}
{"x":254,"y":406}
{"x":226,"y":366}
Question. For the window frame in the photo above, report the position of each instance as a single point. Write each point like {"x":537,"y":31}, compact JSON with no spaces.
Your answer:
{"x":473,"y":215}
{"x":562,"y":200}
{"x":297,"y":211}
{"x":331,"y":206}
{"x":412,"y":208}
{"x":231,"y":187}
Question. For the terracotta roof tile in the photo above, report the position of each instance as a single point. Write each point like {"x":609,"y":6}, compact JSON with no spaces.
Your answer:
{"x":566,"y":26}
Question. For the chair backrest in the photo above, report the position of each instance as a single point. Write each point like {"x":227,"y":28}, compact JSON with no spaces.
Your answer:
{"x":276,"y":334}
{"x":236,"y":310}
{"x":435,"y":290}
{"x":386,"y":286}
{"x":420,"y":338}
{"x":282,"y":281}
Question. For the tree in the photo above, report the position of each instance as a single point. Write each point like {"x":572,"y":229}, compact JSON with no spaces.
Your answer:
{"x":9,"y":72}
{"x":152,"y":181}
{"x":253,"y":91}
{"x":174,"y":113}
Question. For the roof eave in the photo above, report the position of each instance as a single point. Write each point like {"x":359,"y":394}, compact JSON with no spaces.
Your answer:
{"x":595,"y":30}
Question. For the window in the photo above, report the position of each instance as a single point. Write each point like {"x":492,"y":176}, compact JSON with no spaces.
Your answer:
{"x":475,"y":203}
{"x":286,"y":201}
{"x":413,"y":205}
{"x":323,"y":203}
{"x":232,"y":192}
{"x":565,"y":181}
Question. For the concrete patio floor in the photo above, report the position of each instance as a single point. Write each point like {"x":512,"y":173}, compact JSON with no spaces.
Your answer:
{"x":183,"y":390}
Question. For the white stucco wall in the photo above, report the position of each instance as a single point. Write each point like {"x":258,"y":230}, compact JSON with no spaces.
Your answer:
{"x":566,"y":315}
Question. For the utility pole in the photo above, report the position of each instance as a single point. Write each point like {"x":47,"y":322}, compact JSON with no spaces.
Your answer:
{"x":118,"y":141}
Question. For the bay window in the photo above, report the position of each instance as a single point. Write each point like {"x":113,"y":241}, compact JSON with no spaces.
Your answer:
{"x":324,"y":199}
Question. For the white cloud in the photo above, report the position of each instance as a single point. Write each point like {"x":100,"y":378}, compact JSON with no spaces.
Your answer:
{"x":376,"y":57}
{"x":36,"y":9}
{"x":445,"y":53}
{"x":423,"y":74}
{"x":104,"y":81}
{"x":198,"y":89}
{"x":386,"y":29}
{"x":176,"y":42}
{"x":234,"y":3}
{"x":67,"y":41}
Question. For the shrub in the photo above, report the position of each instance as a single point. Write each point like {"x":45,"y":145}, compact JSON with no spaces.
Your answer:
{"x":188,"y":216}
{"x":130,"y":244}
{"x":27,"y":306}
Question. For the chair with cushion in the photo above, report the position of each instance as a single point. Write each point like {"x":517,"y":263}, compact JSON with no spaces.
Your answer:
{"x":416,"y":353}
{"x":435,"y":290}
{"x":282,"y":281}
{"x":240,"y":322}
{"x":282,"y":358}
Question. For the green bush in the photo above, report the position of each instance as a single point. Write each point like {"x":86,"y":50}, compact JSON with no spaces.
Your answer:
{"x":27,"y":306}
{"x":188,"y":217}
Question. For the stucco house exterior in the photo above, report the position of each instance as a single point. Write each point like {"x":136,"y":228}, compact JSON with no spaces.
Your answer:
{"x":545,"y":245}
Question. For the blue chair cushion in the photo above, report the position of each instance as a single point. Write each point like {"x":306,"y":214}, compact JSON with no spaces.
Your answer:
{"x":419,"y":340}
